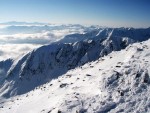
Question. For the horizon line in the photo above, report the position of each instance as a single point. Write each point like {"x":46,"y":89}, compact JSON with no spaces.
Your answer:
{"x":57,"y":23}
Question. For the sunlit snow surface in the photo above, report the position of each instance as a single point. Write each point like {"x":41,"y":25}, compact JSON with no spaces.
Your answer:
{"x":115,"y":83}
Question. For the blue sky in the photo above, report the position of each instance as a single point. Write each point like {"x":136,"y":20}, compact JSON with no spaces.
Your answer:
{"x":116,"y":13}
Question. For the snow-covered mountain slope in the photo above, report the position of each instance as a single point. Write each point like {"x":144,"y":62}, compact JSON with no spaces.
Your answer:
{"x":118,"y":82}
{"x":138,"y":34}
{"x":49,"y":62}
{"x":4,"y":67}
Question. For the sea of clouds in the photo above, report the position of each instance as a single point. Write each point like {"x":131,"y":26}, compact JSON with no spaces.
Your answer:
{"x":16,"y":40}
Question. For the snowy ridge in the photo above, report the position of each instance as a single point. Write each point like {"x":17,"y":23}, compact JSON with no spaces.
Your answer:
{"x":118,"y":82}
{"x":139,"y":34}
{"x":49,"y":62}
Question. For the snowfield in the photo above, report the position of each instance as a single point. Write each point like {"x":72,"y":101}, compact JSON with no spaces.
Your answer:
{"x":118,"y":82}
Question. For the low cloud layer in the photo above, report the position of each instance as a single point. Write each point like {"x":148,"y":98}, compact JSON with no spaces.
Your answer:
{"x":41,"y":37}
{"x":37,"y":38}
{"x":18,"y":43}
{"x":15,"y":50}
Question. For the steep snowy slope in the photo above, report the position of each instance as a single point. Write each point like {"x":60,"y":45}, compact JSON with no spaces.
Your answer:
{"x":4,"y":67}
{"x":119,"y":82}
{"x":49,"y":62}
{"x":139,"y":34}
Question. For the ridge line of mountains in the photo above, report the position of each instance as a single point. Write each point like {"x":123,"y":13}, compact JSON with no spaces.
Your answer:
{"x":48,"y":62}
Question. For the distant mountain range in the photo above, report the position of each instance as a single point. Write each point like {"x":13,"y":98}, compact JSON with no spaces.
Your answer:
{"x":10,"y":28}
{"x":22,"y":23}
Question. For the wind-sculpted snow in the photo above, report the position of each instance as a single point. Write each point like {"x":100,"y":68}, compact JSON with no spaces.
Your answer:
{"x":118,"y":82}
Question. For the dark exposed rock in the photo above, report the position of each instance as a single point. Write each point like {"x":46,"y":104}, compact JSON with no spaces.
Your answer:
{"x":63,"y":85}
{"x":88,"y":75}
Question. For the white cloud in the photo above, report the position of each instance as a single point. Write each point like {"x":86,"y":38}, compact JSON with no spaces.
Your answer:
{"x":16,"y":44}
{"x":15,"y":50}
{"x":37,"y":38}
